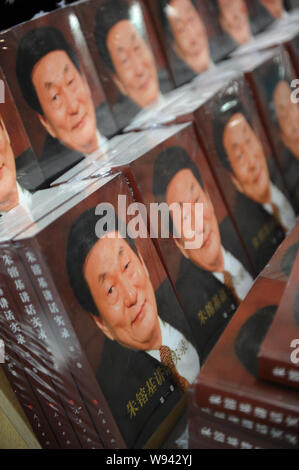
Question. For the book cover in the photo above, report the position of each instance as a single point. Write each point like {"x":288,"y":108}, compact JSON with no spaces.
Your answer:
{"x":20,"y":171}
{"x":272,"y":84}
{"x":213,"y":277}
{"x":132,"y":390}
{"x":126,"y":53}
{"x":56,"y":89}
{"x":232,"y":135}
{"x":184,"y":36}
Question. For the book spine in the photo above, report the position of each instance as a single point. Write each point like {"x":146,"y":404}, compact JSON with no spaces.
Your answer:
{"x":278,"y":372}
{"x":275,"y":435}
{"x":205,"y":431}
{"x":244,"y":406}
{"x":69,"y":344}
{"x":14,"y":370}
{"x":37,"y":360}
{"x":64,"y":383}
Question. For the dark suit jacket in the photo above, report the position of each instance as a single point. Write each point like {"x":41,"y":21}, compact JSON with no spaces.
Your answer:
{"x":29,"y":174}
{"x":261,"y":233}
{"x":260,"y":18}
{"x":208,"y":315}
{"x":56,"y":159}
{"x":123,"y":373}
{"x":221,"y":46}
{"x":125,"y":109}
{"x":181,"y":71}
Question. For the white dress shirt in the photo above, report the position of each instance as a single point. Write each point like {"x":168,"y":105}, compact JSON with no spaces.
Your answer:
{"x":184,"y":355}
{"x":241,"y":278}
{"x":286,"y":212}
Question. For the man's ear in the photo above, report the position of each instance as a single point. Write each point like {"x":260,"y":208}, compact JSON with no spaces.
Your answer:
{"x":44,"y":122}
{"x":237,"y":183}
{"x":119,"y":84}
{"x":100,"y":324}
{"x":178,"y":243}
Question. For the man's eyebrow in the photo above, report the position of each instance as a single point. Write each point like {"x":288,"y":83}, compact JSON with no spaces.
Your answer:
{"x":102,"y":278}
{"x":48,"y":85}
{"x":121,"y":251}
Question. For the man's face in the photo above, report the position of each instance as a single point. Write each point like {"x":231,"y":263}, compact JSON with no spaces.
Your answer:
{"x":234,"y":19}
{"x":287,"y":112}
{"x":191,"y":41}
{"x":8,"y":177}
{"x":275,"y":7}
{"x":136,"y":72}
{"x":123,"y":293}
{"x":184,"y":188}
{"x":65,"y":99}
{"x":247,"y":158}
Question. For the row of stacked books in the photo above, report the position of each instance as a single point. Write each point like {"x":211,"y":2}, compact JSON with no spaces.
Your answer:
{"x":246,"y":396}
{"x":109,"y":312}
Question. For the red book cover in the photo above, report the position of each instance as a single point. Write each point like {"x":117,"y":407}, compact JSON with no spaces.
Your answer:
{"x":184,"y":35}
{"x":233,"y":23}
{"x":98,"y":348}
{"x":229,"y":379}
{"x":272,"y":85}
{"x":239,"y":153}
{"x":126,"y":53}
{"x":279,"y":353}
{"x":56,"y":89}
{"x":175,"y":171}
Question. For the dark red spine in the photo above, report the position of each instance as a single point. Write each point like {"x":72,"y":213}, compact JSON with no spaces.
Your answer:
{"x":78,"y":364}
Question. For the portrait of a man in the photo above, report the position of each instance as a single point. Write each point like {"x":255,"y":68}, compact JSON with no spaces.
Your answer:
{"x":52,"y":83}
{"x":211,"y":270}
{"x":142,"y":327}
{"x":234,"y":19}
{"x":282,"y":118}
{"x":242,"y":154}
{"x":187,"y":36}
{"x":126,"y":53}
{"x":11,"y":193}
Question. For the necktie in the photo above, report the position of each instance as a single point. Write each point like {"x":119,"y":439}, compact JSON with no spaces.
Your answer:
{"x":228,"y":281}
{"x":277,"y":215}
{"x":166,"y":359}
